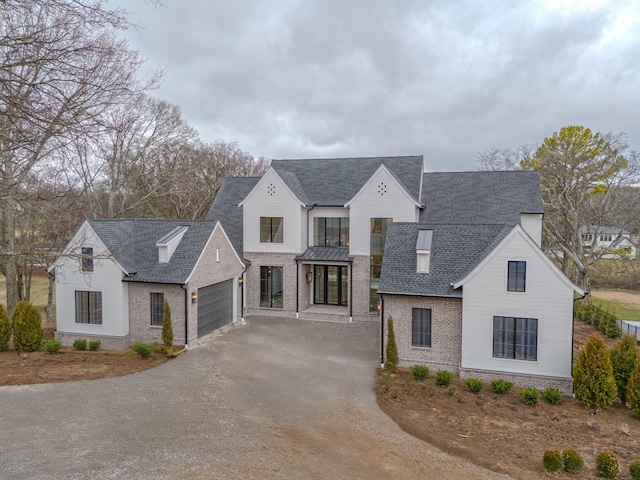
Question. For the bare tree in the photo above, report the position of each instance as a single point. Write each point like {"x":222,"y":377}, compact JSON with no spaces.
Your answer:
{"x":61,"y":67}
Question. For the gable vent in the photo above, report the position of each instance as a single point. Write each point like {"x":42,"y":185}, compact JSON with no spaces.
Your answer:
{"x":382,"y":188}
{"x":271,"y":189}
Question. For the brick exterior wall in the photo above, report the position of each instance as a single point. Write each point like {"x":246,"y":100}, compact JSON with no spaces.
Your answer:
{"x":140,"y":328}
{"x":361,"y":271}
{"x":565,"y":385}
{"x":252,"y":281}
{"x":446,"y":331}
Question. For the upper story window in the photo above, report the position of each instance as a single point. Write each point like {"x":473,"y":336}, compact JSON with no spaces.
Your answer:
{"x":606,"y":237}
{"x":331,"y":232}
{"x":86,"y":260}
{"x":516,"y":276}
{"x":271,"y":230}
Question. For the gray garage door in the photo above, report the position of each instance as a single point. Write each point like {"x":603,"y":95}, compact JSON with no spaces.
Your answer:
{"x":215,"y":306}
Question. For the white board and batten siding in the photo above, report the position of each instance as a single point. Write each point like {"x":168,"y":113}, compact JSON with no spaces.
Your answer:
{"x":106,"y":278}
{"x":381,"y":197}
{"x":548,"y":297}
{"x":272,"y":198}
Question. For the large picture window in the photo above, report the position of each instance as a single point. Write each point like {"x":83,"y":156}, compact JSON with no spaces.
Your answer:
{"x":515,"y":338}
{"x":421,"y":327}
{"x":86,"y":259}
{"x":331,"y":232}
{"x":271,"y":230}
{"x":516,"y":276}
{"x":157,"y":308}
{"x":271,"y":287}
{"x":89,"y":307}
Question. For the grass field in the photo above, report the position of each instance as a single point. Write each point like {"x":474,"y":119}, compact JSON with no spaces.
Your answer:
{"x":39,"y":286}
{"x":625,"y":304}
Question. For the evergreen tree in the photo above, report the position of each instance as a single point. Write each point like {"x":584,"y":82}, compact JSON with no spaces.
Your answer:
{"x":593,"y":382}
{"x":5,"y":329}
{"x":27,"y":327}
{"x":167,"y":329}
{"x":392,"y":350}
{"x":624,"y":356}
{"x":633,"y":390}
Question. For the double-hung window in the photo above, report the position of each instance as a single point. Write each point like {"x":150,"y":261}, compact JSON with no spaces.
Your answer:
{"x":516,"y":276}
{"x":421,"y":327}
{"x":515,"y":338}
{"x":157,"y":308}
{"x":86,"y":259}
{"x":89,"y":307}
{"x":271,"y":230}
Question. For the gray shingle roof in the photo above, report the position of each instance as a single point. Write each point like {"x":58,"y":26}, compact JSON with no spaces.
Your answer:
{"x":334,"y":181}
{"x":480,"y":197}
{"x":455,"y":251}
{"x":225,"y":207}
{"x":132,"y":242}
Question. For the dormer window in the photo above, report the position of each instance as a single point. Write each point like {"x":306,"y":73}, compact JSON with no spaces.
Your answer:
{"x":168,"y":244}
{"x":423,"y":250}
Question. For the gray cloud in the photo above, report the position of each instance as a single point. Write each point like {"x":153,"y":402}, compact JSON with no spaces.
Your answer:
{"x":445,"y":79}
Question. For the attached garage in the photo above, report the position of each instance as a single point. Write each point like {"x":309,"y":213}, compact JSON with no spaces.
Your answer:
{"x":215,"y":306}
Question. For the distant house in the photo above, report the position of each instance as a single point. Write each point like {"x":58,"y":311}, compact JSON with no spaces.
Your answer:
{"x":115,"y":275}
{"x":608,"y":242}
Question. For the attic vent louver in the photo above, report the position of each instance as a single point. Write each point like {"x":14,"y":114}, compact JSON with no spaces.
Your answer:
{"x":423,"y":250}
{"x":271,"y":189}
{"x":169,"y":242}
{"x":382,"y":189}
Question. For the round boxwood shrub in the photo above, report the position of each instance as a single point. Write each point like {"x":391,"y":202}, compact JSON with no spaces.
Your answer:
{"x":553,"y":395}
{"x":5,"y":329}
{"x":501,"y":386}
{"x":143,"y":349}
{"x":607,"y":464}
{"x":552,"y":460}
{"x":530,"y":396}
{"x":27,"y":327}
{"x":634,"y":470}
{"x":94,"y":345}
{"x":474,"y":384}
{"x":420,"y":372}
{"x":573,"y":461}
{"x":51,"y":345}
{"x":80,"y":344}
{"x":444,"y":377}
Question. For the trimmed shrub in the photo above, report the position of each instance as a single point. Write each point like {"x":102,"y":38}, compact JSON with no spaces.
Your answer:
{"x":607,"y":465}
{"x":593,"y":382}
{"x":5,"y":328}
{"x":51,"y":345}
{"x":572,"y":460}
{"x":167,"y":329}
{"x":474,"y":384}
{"x":94,"y":345}
{"x":634,"y":470}
{"x":598,"y":317}
{"x":420,"y":372}
{"x":624,"y":356}
{"x":143,"y":349}
{"x":552,"y":460}
{"x":553,"y":395}
{"x":501,"y":386}
{"x":444,"y":377}
{"x":633,"y":390}
{"x":452,"y":390}
{"x":392,"y":350}
{"x":530,"y":396}
{"x":27,"y":327}
{"x":80,"y":344}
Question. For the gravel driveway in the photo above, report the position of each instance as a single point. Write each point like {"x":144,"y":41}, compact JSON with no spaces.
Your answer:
{"x":276,"y":398}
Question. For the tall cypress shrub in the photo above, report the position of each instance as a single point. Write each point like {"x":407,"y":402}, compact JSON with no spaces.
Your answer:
{"x":633,"y":390}
{"x":392,"y":350}
{"x":27,"y":327}
{"x":624,"y":356}
{"x":5,"y":329}
{"x":167,"y":329}
{"x":593,"y":382}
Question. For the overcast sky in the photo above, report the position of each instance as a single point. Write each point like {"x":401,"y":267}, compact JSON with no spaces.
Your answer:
{"x":445,"y":79}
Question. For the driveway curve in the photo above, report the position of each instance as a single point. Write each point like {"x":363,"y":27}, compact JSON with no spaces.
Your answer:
{"x":275,"y":398}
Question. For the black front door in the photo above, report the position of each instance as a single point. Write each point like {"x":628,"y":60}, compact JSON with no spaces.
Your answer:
{"x":330,"y":285}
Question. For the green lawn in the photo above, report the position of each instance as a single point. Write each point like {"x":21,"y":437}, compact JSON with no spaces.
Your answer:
{"x":39,"y":286}
{"x":622,"y":311}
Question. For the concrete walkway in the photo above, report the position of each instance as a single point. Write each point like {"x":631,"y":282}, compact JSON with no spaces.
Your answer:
{"x":276,"y":398}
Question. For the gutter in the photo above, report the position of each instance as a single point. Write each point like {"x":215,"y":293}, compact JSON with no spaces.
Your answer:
{"x":381,"y":331}
{"x":186,"y":316}
{"x":242,"y":295}
{"x":573,"y":329}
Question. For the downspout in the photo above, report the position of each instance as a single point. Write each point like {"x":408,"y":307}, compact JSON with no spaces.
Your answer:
{"x":381,"y":331}
{"x":298,"y":266}
{"x":242,"y":295}
{"x":573,"y":329}
{"x":186,"y":316}
{"x":351,"y":292}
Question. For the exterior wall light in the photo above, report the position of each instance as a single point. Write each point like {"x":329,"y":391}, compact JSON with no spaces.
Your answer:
{"x":309,"y":277}
{"x":194,"y":297}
